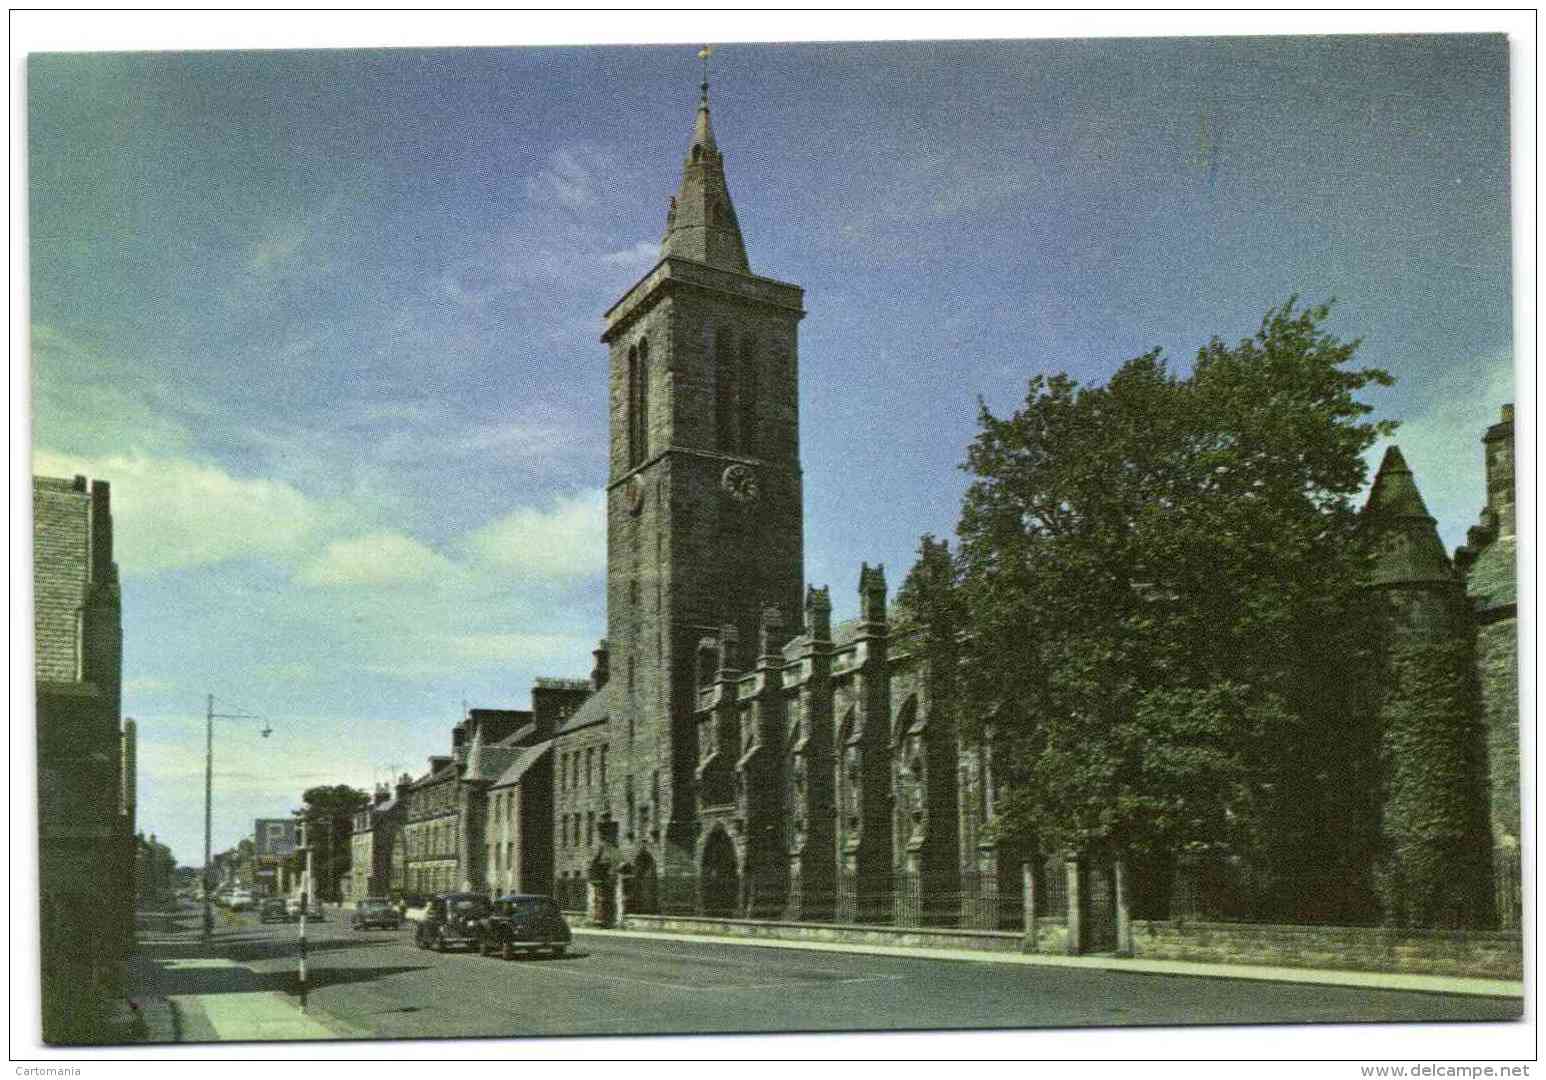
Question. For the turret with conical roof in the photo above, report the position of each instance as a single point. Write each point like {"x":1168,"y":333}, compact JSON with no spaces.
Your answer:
{"x":701,"y":223}
{"x":1411,"y":563}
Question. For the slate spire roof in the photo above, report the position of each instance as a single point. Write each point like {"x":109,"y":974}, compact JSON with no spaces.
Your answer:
{"x":701,"y":223}
{"x":1411,"y":551}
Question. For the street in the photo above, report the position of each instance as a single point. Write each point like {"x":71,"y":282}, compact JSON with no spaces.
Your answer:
{"x":377,"y":984}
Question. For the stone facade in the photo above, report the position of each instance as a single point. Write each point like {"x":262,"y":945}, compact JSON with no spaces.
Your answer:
{"x":736,"y":754}
{"x":377,"y":835}
{"x":1468,"y":605}
{"x":742,"y":756}
{"x":432,"y":831}
{"x":85,"y":758}
{"x":1489,"y":562}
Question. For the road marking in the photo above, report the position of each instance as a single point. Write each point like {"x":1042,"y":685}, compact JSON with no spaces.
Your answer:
{"x":716,"y":987}
{"x":196,"y":963}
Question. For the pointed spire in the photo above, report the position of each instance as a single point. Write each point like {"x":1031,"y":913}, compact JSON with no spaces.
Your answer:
{"x":1395,"y":491}
{"x":1410,"y":549}
{"x":701,"y":223}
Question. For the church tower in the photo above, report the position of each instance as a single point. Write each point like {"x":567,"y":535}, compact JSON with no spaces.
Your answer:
{"x":704,"y":504}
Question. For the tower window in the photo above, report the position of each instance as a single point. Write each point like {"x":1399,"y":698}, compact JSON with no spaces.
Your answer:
{"x":638,"y":403}
{"x":724,"y":391}
{"x":748,"y":390}
{"x":643,"y":409}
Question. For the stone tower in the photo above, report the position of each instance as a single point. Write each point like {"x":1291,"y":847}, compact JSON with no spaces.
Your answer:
{"x":704,"y":518}
{"x":1488,"y":561}
{"x":1434,"y":865}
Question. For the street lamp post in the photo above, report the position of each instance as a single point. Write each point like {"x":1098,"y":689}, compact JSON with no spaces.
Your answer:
{"x":210,"y":716}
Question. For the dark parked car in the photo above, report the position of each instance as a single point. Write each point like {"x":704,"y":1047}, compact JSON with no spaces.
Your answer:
{"x":376,"y":911}
{"x":451,"y":919}
{"x":273,"y":909}
{"x":523,"y":923}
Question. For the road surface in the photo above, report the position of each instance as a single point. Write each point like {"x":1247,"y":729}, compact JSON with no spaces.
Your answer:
{"x":376,"y":984}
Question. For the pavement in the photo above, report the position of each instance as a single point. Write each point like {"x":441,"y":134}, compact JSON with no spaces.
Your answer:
{"x":175,"y":956}
{"x":188,"y":990}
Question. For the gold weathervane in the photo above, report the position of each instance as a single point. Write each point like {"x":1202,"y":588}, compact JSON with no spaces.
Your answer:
{"x":704,"y":54}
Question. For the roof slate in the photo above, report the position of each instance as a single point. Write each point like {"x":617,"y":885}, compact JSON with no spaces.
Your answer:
{"x":528,"y":757}
{"x":593,"y":711}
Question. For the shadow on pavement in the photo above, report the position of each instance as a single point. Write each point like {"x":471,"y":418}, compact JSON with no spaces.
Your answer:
{"x":171,"y":981}
{"x":253,"y":949}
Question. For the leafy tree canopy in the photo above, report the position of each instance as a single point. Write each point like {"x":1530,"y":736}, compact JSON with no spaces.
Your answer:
{"x":1162,"y":576}
{"x":328,"y":811}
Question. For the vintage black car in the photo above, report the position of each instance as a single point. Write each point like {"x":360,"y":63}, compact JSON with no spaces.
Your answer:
{"x":273,"y":909}
{"x":451,"y":919}
{"x":523,"y":923}
{"x":376,"y":911}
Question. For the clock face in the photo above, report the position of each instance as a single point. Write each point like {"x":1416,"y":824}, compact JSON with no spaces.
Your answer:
{"x":741,"y":484}
{"x":633,"y":494}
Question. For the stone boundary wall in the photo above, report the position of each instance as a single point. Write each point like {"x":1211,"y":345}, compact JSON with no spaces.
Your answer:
{"x":1469,"y":953}
{"x":921,"y":937}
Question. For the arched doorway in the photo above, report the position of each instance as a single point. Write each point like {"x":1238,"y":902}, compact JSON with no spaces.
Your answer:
{"x":721,"y":880}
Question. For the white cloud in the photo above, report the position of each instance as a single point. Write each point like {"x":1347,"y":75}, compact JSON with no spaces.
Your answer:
{"x":566,"y":541}
{"x":171,"y":512}
{"x":270,"y":254}
{"x":374,"y":560}
{"x":1443,"y":443}
{"x":88,"y":403}
{"x":432,"y":655}
{"x":638,"y":258}
{"x":568,"y":179}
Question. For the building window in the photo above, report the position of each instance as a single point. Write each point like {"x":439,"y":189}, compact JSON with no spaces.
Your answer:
{"x":634,"y":449}
{"x":590,"y":828}
{"x":724,"y":391}
{"x":603,"y":768}
{"x":642,"y":408}
{"x":590,"y":755}
{"x":748,"y":388}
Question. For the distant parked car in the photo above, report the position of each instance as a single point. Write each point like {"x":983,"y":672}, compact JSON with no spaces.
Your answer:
{"x":376,"y":911}
{"x":296,"y":906}
{"x":528,"y":924}
{"x":274,"y":909}
{"x":450,"y":920}
{"x":242,"y":900}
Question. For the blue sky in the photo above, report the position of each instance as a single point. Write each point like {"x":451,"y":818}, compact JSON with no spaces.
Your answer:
{"x":328,"y":321}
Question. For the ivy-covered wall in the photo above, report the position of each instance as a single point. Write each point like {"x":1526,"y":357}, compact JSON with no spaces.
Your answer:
{"x":1435,"y":865}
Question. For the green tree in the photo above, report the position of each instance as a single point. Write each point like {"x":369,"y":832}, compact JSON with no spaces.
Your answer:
{"x":930,"y":602}
{"x":1168,"y":629}
{"x":328,"y":813}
